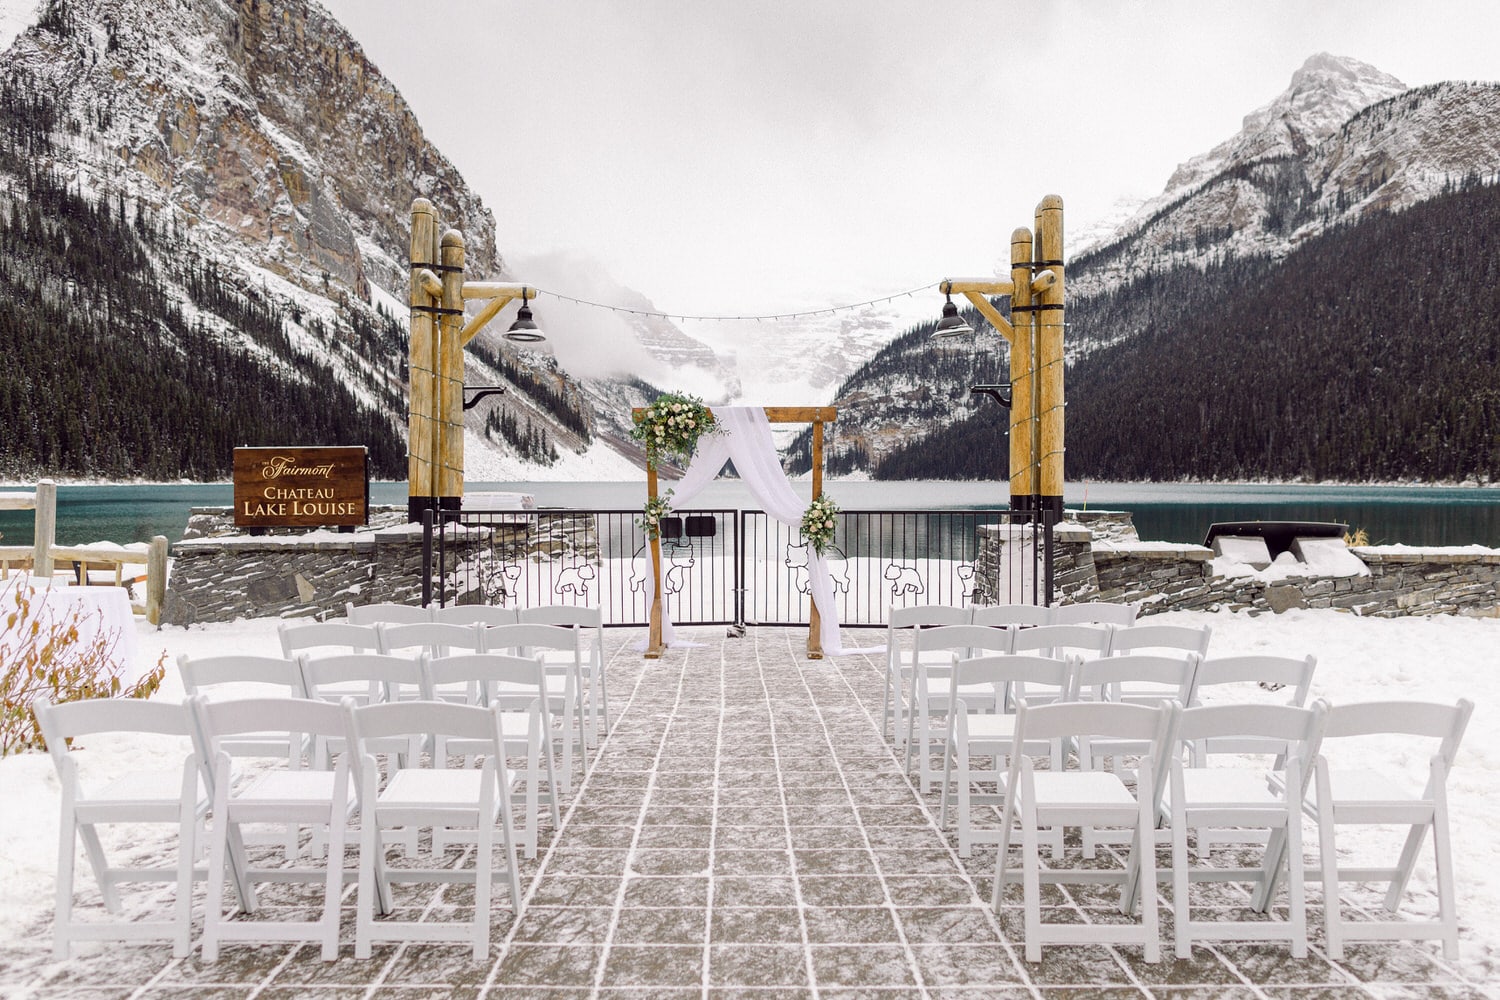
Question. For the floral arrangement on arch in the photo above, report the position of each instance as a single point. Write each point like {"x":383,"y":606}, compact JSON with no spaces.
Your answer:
{"x":656,"y":508}
{"x":672,"y":425}
{"x":819,"y":522}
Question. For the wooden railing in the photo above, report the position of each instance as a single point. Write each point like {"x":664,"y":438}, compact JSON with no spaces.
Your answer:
{"x":44,"y":554}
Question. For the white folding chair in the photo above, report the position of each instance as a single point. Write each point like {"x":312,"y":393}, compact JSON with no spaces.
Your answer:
{"x":386,"y":678}
{"x":375,"y":614}
{"x":517,"y":686}
{"x":475,"y":614}
{"x":1036,"y":800}
{"x":1243,"y":795}
{"x":474,"y":797}
{"x":899,"y":623}
{"x":1251,"y":679}
{"x":1094,"y":613}
{"x":324,"y":800}
{"x":999,"y":615}
{"x":434,"y":639}
{"x":1149,"y":680}
{"x":564,"y":681}
{"x":247,"y":676}
{"x":595,"y":691}
{"x":177,"y":797}
{"x":990,"y":734}
{"x":934,"y":652}
{"x":1378,"y":795}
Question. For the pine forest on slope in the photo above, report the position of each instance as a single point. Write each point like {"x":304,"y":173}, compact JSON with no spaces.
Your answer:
{"x":1370,"y":353}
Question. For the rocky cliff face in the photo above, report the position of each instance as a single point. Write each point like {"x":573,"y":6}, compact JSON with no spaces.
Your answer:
{"x":1342,"y":141}
{"x":261,"y":125}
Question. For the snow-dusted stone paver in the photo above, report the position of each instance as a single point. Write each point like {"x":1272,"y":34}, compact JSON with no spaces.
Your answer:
{"x":745,"y":831}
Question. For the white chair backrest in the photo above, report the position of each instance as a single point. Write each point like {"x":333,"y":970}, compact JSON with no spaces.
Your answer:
{"x":928,"y":614}
{"x":475,"y":614}
{"x":1094,"y":613}
{"x":1063,"y":719}
{"x":1012,"y":614}
{"x":1062,"y":640}
{"x":432,"y":638}
{"x":1249,"y":678}
{"x":964,"y":640}
{"x":247,"y":674}
{"x":562,"y":614}
{"x":1136,"y":677}
{"x":478,"y":728}
{"x":374,"y":614}
{"x":72,"y":719}
{"x":323,"y":638}
{"x":1417,"y":720}
{"x":1291,"y":732}
{"x":387,"y":674}
{"x":1020,"y":670}
{"x":531,"y":637}
{"x":217,"y":720}
{"x":1158,"y":638}
{"x":489,"y":670}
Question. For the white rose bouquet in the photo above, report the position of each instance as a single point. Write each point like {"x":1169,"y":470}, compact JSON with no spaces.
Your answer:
{"x":819,"y":521}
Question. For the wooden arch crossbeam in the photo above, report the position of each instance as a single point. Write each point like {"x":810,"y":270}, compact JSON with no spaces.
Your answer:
{"x":815,"y":415}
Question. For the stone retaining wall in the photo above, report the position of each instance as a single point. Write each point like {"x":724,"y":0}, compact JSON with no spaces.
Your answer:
{"x":218,"y":575}
{"x":1097,"y":557}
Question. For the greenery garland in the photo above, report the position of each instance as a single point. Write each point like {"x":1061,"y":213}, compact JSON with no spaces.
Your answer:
{"x":819,"y":522}
{"x":671,"y":426}
{"x":656,"y":508}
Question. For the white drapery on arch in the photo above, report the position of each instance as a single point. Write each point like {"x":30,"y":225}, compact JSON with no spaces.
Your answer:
{"x":744,"y":436}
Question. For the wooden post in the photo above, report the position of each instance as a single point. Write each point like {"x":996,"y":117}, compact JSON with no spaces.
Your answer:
{"x":420,"y":492}
{"x":450,"y":464}
{"x":655,"y":645}
{"x":156,"y":578}
{"x":1049,"y":340}
{"x":46,"y":528}
{"x":1022,"y":375}
{"x":814,"y":620}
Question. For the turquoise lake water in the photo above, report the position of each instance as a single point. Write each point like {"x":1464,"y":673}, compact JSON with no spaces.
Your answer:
{"x":1415,"y":515}
{"x":1166,"y":511}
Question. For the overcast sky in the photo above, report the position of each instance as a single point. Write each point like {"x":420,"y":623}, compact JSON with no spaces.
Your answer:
{"x":763,"y":156}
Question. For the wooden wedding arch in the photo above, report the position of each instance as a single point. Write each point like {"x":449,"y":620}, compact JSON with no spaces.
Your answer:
{"x":815,"y":415}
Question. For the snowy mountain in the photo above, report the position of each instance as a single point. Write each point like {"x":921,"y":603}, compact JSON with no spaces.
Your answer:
{"x":254,"y":163}
{"x":1343,"y":145}
{"x":1342,"y":141}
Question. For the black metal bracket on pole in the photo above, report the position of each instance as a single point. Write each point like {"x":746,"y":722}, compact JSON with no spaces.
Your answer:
{"x":481,"y":391}
{"x":999,"y":392}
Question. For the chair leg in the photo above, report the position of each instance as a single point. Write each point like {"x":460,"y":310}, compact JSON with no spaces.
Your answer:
{"x":67,"y":847}
{"x":1031,"y":882}
{"x":483,"y":863}
{"x":1443,"y":856}
{"x":1181,"y":901}
{"x":1296,"y":868}
{"x":1145,"y":844}
{"x":187,"y":842}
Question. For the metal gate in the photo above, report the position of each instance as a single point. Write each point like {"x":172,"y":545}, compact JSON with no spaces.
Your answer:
{"x":734,"y":567}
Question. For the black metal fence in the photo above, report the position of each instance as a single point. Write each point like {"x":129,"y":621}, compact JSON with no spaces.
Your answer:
{"x":734,"y":566}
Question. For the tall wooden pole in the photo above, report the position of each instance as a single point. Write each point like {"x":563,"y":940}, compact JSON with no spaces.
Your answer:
{"x":1050,"y":326}
{"x":450,"y":465}
{"x":45,"y":532}
{"x":814,"y":620}
{"x":1023,"y":478}
{"x":655,"y":646}
{"x":421,"y":369}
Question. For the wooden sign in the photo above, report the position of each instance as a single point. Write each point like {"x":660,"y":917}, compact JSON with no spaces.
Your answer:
{"x":300,"y":487}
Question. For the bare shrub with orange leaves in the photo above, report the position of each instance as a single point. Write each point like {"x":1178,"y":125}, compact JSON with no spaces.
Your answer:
{"x":46,"y":653}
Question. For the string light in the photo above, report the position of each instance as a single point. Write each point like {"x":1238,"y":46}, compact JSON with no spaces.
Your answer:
{"x":775,"y":317}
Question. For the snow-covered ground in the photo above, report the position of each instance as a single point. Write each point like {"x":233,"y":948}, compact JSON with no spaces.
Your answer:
{"x":1438,"y":659}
